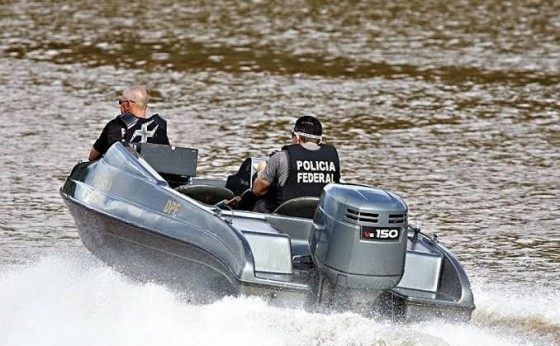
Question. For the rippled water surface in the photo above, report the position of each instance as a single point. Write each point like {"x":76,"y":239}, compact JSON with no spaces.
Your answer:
{"x":453,"y":105}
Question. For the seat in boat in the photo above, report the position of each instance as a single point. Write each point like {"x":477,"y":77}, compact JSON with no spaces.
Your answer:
{"x":208,"y":194}
{"x":299,"y":207}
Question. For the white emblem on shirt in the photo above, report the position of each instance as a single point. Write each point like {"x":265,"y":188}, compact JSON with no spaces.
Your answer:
{"x":143,"y":132}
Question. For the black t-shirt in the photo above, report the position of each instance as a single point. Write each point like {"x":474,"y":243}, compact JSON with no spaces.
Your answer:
{"x":134,"y":130}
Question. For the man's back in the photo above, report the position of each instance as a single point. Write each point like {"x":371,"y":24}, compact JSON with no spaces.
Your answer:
{"x":300,"y":169}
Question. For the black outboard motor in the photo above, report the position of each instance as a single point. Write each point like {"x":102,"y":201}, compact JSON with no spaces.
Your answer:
{"x":358,"y":243}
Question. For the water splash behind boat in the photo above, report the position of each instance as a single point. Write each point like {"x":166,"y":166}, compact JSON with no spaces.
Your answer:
{"x":74,"y":298}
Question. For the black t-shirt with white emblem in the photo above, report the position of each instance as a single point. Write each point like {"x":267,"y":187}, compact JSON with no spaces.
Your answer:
{"x":127,"y":127}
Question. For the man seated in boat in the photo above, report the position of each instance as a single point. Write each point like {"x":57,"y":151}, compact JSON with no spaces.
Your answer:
{"x":131,"y":125}
{"x":300,"y":169}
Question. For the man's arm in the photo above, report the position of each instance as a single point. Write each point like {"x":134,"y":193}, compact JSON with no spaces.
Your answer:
{"x":268,"y":174}
{"x":260,"y":186}
{"x":112,"y":132}
{"x":274,"y":172}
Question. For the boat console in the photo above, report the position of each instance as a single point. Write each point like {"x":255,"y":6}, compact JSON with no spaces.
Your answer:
{"x":175,"y":164}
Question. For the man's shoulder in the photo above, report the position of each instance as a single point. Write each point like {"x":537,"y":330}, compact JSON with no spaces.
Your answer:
{"x":278,"y":156}
{"x":329,"y":147}
{"x":115,"y":122}
{"x":156,"y":116}
{"x":276,"y":160}
{"x":125,"y":119}
{"x":158,"y":119}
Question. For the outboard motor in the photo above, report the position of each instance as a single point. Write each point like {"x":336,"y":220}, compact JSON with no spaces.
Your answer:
{"x":358,"y":242}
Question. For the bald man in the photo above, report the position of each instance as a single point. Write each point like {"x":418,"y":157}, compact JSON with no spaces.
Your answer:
{"x":131,"y":125}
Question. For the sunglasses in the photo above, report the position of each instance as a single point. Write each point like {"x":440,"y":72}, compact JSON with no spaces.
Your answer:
{"x":123,"y":101}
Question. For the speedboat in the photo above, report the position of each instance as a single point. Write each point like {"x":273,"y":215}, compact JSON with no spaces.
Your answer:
{"x":143,"y":210}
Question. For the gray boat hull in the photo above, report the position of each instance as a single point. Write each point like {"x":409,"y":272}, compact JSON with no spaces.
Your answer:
{"x":130,"y":217}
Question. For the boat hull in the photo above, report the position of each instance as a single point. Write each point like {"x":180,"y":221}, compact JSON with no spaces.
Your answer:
{"x":147,"y":256}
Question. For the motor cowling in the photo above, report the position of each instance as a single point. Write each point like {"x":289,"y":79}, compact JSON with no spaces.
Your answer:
{"x":359,"y":237}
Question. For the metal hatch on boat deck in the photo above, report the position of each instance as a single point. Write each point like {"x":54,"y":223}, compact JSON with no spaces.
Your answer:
{"x":271,"y":249}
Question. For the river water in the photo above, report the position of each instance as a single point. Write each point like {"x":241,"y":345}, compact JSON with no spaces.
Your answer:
{"x":453,"y":105}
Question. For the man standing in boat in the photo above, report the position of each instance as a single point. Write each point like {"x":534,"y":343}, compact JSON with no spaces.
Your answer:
{"x":131,"y":125}
{"x":300,"y":169}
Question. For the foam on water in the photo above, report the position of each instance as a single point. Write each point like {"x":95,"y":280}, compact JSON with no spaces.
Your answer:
{"x":73,"y":299}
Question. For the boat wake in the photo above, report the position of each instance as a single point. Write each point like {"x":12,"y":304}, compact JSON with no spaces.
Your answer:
{"x":68,"y":299}
{"x":520,"y":310}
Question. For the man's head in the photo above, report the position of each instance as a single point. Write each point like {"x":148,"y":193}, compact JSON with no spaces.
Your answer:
{"x":134,"y":100}
{"x":307,"y":129}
